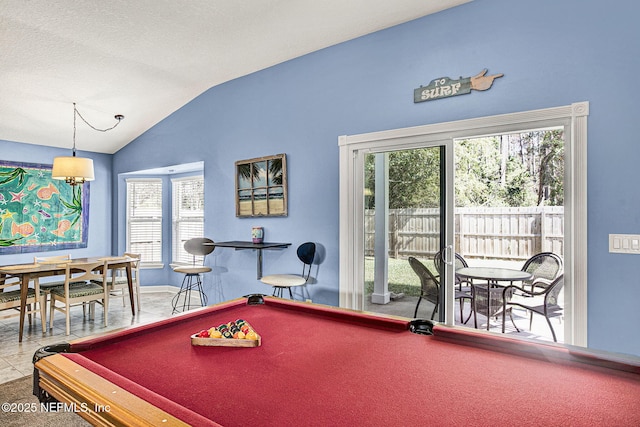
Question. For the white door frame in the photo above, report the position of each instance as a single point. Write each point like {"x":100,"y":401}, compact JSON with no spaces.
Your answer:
{"x":574,"y":120}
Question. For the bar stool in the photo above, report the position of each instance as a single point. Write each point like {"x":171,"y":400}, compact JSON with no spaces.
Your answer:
{"x":306,"y":253}
{"x":198,"y":247}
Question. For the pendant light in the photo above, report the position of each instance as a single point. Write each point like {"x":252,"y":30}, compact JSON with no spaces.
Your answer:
{"x":72,"y":169}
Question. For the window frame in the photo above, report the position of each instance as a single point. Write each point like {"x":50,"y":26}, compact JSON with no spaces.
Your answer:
{"x":574,"y":120}
{"x":178,"y":254}
{"x":155,"y":220}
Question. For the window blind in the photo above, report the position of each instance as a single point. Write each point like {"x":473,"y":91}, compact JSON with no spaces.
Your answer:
{"x":188,"y":215}
{"x":144,"y":219}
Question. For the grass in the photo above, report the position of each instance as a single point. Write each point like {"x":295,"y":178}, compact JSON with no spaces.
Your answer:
{"x":402,"y":278}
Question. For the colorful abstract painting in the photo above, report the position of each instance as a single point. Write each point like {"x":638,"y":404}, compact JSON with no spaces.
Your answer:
{"x":38,"y":213}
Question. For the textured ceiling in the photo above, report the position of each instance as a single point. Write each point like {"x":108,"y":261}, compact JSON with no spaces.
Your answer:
{"x":145,"y":59}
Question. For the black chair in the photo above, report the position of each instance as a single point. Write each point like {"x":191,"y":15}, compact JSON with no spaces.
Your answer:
{"x":488,"y":300}
{"x":463,"y":285}
{"x":197,"y":247}
{"x":545,"y":267}
{"x":429,"y":286}
{"x":544,"y":302}
{"x":306,"y":253}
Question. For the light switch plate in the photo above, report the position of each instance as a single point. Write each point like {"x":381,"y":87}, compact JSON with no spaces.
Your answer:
{"x":624,"y":243}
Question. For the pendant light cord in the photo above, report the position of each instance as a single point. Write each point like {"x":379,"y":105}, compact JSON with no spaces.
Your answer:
{"x":118,"y":117}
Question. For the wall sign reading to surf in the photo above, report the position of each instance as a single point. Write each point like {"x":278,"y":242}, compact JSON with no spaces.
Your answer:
{"x":38,"y":213}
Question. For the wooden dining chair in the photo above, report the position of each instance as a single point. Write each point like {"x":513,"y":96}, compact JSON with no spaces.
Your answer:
{"x":58,"y":259}
{"x":45,"y":286}
{"x":66,"y":296}
{"x":10,"y":300}
{"x":117,"y":280}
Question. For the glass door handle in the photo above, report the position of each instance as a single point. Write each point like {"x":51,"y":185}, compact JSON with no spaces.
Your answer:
{"x":447,"y":255}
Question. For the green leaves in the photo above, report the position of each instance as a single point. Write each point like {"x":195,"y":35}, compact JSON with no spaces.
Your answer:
{"x":518,"y":169}
{"x":8,"y":176}
{"x":75,"y":206}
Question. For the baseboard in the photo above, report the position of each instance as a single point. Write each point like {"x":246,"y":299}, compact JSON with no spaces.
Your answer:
{"x":159,"y":288}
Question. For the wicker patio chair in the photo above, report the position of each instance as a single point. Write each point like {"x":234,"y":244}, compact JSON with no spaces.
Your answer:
{"x":488,"y":299}
{"x":545,"y":267}
{"x":544,"y":302}
{"x":429,"y":286}
{"x":463,"y":285}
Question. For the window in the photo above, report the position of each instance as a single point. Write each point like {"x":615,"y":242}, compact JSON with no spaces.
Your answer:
{"x":188,"y":215}
{"x":144,"y":219}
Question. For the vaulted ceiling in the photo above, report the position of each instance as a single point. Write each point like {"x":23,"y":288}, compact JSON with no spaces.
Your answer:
{"x":145,"y":59}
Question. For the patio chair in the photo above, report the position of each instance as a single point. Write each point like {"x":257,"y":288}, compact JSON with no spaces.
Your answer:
{"x":488,"y":299}
{"x":463,"y":285}
{"x":544,"y":302}
{"x":429,"y":286}
{"x":545,"y":267}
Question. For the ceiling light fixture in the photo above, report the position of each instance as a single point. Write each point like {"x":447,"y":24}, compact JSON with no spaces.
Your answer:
{"x":76,"y":170}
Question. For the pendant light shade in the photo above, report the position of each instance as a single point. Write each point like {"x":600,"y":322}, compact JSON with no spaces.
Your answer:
{"x":74,"y":170}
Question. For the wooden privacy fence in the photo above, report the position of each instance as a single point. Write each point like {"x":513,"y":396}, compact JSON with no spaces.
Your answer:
{"x":489,"y":233}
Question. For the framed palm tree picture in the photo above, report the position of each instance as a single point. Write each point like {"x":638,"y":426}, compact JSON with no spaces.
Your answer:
{"x":261,"y":186}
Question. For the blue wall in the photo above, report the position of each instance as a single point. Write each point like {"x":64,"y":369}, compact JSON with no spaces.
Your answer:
{"x":552,"y":54}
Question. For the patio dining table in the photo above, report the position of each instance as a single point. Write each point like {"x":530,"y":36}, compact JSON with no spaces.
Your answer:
{"x":495,"y":278}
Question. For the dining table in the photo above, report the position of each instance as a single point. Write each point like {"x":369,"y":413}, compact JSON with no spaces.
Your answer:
{"x":28,"y":272}
{"x":495,"y":277}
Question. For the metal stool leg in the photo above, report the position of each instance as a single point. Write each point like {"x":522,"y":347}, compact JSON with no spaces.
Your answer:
{"x":189,"y":283}
{"x":203,"y":296}
{"x":187,"y":296}
{"x":176,"y":298}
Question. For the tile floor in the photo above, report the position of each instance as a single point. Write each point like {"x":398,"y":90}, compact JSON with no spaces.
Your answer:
{"x":15,"y":357}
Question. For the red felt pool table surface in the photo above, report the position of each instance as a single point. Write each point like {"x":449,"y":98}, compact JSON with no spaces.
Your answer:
{"x":324,"y":366}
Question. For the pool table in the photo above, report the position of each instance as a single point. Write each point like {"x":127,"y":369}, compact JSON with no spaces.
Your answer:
{"x":321,"y":365}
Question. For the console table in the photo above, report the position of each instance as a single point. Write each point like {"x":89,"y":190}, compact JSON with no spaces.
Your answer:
{"x":243,"y":245}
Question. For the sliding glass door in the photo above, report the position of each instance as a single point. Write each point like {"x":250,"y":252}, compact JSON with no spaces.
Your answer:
{"x":369,"y":239}
{"x":406,"y":210}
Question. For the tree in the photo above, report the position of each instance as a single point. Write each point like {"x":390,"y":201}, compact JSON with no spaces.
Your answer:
{"x":519,"y":169}
{"x":414,"y":179}
{"x":478,"y":172}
